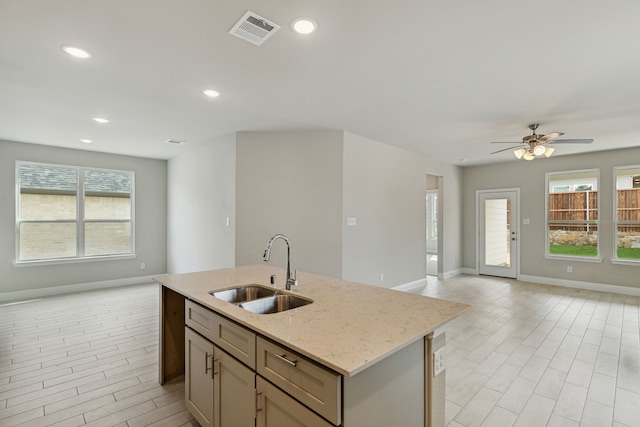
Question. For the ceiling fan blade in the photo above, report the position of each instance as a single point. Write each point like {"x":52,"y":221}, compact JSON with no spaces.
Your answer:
{"x":571,"y":141}
{"x":505,"y":142}
{"x":549,"y":136}
{"x":511,"y":148}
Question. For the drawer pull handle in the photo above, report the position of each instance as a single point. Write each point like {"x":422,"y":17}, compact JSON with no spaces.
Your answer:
{"x":284,"y":359}
{"x":206,"y":362}
{"x":258,"y":409}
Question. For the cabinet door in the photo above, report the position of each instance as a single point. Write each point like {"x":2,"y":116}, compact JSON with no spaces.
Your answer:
{"x":278,"y":409}
{"x":235,"y":392}
{"x":198,"y":378}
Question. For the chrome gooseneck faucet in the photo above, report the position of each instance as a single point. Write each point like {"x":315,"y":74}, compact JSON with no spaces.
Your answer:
{"x":291,"y":281}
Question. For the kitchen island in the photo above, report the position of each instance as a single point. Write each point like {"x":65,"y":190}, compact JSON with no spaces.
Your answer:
{"x":357,"y":356}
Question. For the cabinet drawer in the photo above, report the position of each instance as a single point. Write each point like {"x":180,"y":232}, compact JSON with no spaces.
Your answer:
{"x":276,"y":409}
{"x":199,"y":319}
{"x":317,"y":387}
{"x":231,"y":337}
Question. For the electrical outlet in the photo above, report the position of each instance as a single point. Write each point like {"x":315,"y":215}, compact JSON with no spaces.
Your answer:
{"x":439,"y":364}
{"x":143,"y":266}
{"x":569,"y":269}
{"x":382,"y":277}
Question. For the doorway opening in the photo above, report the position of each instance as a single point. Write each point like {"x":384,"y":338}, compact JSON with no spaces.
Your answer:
{"x":433,"y":225}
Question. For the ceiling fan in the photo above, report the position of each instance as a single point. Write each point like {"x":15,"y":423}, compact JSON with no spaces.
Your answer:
{"x":535,"y":145}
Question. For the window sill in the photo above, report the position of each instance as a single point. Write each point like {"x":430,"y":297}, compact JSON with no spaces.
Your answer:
{"x":592,"y":259}
{"x":622,"y":261}
{"x":73,"y":260}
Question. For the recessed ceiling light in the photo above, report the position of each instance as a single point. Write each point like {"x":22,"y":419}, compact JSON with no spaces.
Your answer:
{"x":211,"y":93}
{"x":86,"y":141}
{"x":100,"y":120}
{"x":304,"y":25}
{"x":77,"y":52}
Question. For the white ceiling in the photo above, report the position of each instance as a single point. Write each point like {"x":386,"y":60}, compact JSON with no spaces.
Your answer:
{"x":442,"y":78}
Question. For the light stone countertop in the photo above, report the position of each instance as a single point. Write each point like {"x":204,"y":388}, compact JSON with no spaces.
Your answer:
{"x":349,"y":326}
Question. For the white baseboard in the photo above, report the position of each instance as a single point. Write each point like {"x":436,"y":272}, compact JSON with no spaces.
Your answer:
{"x":411,"y":285}
{"x":602,"y":287}
{"x":66,"y":289}
{"x":423,"y":282}
{"x":451,"y":273}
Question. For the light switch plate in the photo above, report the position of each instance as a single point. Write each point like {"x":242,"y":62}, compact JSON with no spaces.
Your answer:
{"x":439,"y":361}
{"x":352,"y":222}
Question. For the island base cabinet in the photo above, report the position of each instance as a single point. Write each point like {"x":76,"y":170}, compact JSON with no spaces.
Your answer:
{"x":277,"y":409}
{"x":390,"y":393}
{"x":219,"y":390}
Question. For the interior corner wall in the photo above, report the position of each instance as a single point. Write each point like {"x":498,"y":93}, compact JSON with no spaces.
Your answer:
{"x":290,"y":183}
{"x":530,"y":178}
{"x":201,"y":196}
{"x":384,"y":190}
{"x":150,"y":220}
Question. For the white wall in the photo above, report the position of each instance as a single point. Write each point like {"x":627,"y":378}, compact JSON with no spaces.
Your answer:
{"x":290,"y":183}
{"x":530,"y":178}
{"x":384,"y":189}
{"x":201,"y":196}
{"x":150,"y":225}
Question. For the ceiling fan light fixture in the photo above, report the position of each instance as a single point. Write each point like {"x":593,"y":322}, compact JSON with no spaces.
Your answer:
{"x":528,"y":155}
{"x":548,"y":151}
{"x":519,"y":153}
{"x":539,"y":150}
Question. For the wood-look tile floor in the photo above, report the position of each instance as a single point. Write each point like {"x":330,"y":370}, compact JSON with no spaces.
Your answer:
{"x":537,"y":355}
{"x":86,"y":359}
{"x":523,"y":355}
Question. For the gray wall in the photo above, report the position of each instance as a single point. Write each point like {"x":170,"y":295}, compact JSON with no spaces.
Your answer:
{"x":530,"y":178}
{"x":290,"y":183}
{"x":150,"y":210}
{"x":201,"y":196}
{"x":384,"y":189}
{"x":304,"y":185}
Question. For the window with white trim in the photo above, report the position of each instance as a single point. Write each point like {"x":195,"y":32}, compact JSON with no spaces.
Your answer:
{"x":69,"y":212}
{"x":572,"y":213}
{"x":627,"y":208}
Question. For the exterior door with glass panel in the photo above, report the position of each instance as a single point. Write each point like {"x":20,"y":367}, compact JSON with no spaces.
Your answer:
{"x":498,"y":233}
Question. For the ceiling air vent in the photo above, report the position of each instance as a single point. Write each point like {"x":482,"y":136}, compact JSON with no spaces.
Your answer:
{"x":254,"y":28}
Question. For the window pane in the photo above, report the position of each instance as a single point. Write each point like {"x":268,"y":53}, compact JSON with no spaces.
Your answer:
{"x":47,"y":192}
{"x":107,"y":238}
{"x":573,"y":213}
{"x":45,"y":240}
{"x":107,"y":195}
{"x":497,"y":233}
{"x":628,"y":213}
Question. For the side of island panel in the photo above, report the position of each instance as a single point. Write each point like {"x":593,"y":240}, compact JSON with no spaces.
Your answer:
{"x":171,"y":354}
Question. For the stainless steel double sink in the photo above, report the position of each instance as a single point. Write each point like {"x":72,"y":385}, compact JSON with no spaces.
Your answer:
{"x":261,"y":299}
